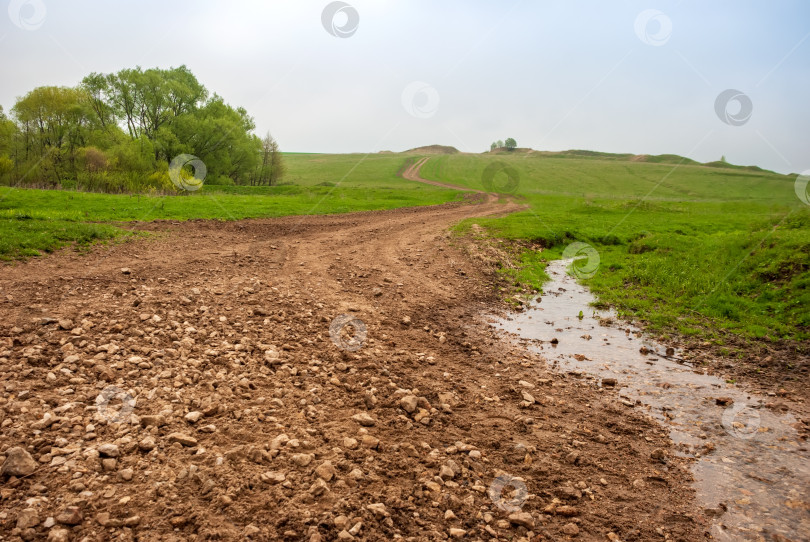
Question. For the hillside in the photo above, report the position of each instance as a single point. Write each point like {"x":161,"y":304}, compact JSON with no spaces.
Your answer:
{"x":622,"y":157}
{"x":433,"y":149}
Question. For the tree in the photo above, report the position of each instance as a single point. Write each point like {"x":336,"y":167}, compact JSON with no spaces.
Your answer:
{"x":119,"y":131}
{"x":499,"y":143}
{"x":220,"y":136}
{"x":493,"y":146}
{"x":7,"y":133}
{"x":96,"y":88}
{"x":276,"y":162}
{"x":511,"y":144}
{"x":270,"y":168}
{"x":145,"y":101}
{"x":54,"y":122}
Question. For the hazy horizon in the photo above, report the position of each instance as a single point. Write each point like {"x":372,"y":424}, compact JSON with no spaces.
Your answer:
{"x":633,"y":77}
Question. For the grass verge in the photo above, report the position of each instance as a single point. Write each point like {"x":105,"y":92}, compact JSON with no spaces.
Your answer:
{"x":714,"y":254}
{"x":34,"y":221}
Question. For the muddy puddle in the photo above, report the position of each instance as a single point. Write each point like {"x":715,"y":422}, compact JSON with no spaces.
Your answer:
{"x":751,"y":470}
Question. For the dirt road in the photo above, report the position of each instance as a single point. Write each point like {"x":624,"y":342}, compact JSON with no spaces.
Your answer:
{"x":412,"y":174}
{"x":233,"y":413}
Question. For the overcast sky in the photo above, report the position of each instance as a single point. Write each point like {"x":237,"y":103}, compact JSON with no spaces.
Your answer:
{"x":622,"y":76}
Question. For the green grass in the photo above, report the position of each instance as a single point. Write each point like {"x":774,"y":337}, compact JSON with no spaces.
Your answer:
{"x":702,"y":251}
{"x":23,"y":237}
{"x":37,"y":221}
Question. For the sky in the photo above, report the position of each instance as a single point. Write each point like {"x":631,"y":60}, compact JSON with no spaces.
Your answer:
{"x":702,"y":79}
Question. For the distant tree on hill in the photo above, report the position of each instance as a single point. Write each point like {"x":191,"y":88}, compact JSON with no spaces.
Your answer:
{"x":493,"y":146}
{"x":723,"y":158}
{"x":499,"y":143}
{"x":511,"y":144}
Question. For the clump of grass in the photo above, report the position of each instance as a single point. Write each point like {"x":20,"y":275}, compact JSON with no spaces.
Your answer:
{"x":24,"y":238}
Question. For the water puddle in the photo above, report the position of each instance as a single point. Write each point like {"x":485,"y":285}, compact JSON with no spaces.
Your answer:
{"x":751,"y":470}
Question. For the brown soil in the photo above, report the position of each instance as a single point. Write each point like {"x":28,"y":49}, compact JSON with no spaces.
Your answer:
{"x":231,"y":322}
{"x":777,"y":369}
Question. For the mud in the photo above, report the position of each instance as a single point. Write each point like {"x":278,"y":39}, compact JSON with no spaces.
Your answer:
{"x":751,"y":466}
{"x":195,"y":385}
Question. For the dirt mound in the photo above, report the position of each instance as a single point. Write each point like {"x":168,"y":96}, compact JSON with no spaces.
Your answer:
{"x":434,"y":149}
{"x":205,"y":384}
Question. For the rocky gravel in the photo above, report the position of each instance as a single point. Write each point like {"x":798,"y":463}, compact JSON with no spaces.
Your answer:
{"x":191,"y":386}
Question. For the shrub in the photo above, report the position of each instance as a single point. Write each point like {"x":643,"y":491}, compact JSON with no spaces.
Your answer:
{"x":92,"y":159}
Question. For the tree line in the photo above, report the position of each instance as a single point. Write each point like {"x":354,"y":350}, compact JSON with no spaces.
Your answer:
{"x":510,"y":144}
{"x":118,"y":132}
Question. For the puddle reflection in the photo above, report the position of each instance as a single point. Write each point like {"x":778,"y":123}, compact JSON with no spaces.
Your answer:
{"x":751,"y":467}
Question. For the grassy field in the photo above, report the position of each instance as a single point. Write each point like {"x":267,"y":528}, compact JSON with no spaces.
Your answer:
{"x":39,"y":221}
{"x":687,"y":248}
{"x":696,"y":249}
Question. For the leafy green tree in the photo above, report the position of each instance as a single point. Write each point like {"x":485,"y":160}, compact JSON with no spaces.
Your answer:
{"x":510,"y":143}
{"x":144,"y":101}
{"x":493,"y":146}
{"x":6,"y":131}
{"x":8,"y":134}
{"x":96,"y":89}
{"x":221,"y":136}
{"x":53,"y":123}
{"x":119,"y":131}
{"x":499,"y":144}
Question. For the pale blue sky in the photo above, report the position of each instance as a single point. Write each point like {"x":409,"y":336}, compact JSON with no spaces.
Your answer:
{"x":553,"y":75}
